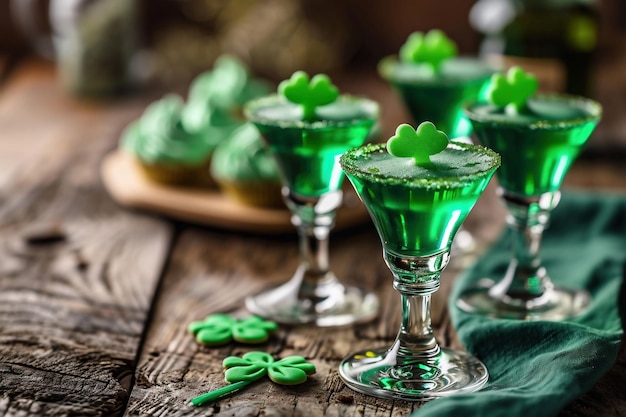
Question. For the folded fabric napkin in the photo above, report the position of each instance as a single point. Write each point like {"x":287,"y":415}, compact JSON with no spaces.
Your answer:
{"x":537,"y":368}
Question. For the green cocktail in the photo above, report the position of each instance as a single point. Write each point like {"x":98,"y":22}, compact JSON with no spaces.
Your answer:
{"x":417,"y":210}
{"x":538,"y":144}
{"x":307,"y":152}
{"x":438,"y":96}
{"x":538,"y":147}
{"x":306,"y":140}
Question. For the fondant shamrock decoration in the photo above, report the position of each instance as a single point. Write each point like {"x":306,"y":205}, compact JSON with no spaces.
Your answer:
{"x":512,"y":90}
{"x":218,"y":329}
{"x":433,"y":48}
{"x":319,"y":91}
{"x":418,"y":144}
{"x":240,"y":372}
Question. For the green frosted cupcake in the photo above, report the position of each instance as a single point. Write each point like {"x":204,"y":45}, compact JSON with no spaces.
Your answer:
{"x":245,"y":171}
{"x":216,"y":97}
{"x":164,"y":150}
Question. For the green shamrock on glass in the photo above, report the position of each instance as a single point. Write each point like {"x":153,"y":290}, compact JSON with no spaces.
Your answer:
{"x":219,"y":329}
{"x":240,"y":372}
{"x":512,"y":90}
{"x":418,"y":144}
{"x":309,"y":94}
{"x":432,"y":49}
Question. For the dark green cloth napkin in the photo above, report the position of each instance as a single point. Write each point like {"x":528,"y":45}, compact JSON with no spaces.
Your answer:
{"x":537,"y":368}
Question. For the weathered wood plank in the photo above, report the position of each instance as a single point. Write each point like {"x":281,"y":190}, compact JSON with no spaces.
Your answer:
{"x":77,"y":273}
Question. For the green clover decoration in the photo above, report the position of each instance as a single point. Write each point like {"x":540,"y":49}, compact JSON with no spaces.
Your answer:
{"x":240,"y":372}
{"x":309,"y":94}
{"x":513,"y":89}
{"x":418,"y":144}
{"x":219,"y":329}
{"x":432,"y":48}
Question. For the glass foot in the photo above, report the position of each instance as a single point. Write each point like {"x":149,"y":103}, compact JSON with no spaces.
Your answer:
{"x":383,"y":374}
{"x":555,"y":305}
{"x":324,"y":305}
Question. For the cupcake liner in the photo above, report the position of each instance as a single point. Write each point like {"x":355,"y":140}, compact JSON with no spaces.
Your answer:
{"x":178,"y":174}
{"x":255,"y":193}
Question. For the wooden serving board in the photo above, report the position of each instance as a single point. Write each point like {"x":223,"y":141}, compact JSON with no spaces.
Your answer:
{"x":129,"y":187}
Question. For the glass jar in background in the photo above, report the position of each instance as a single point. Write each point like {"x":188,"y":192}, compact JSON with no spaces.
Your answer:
{"x":554,"y":39}
{"x":92,"y":41}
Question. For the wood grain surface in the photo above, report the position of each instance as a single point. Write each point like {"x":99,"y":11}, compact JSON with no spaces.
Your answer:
{"x":77,"y":274}
{"x":95,"y":299}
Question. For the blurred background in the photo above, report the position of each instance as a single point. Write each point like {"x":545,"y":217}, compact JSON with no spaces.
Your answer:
{"x":577,"y":46}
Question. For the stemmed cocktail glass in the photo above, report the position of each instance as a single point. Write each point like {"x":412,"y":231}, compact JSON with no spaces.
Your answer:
{"x":307,"y":127}
{"x":417,"y":203}
{"x":433,"y":84}
{"x":538,"y":140}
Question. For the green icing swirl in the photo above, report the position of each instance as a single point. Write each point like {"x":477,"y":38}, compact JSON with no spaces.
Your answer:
{"x":216,"y":97}
{"x":158,"y":136}
{"x":244,"y":157}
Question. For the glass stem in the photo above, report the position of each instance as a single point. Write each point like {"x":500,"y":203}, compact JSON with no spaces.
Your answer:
{"x":314,"y":248}
{"x":526,"y":282}
{"x":416,"y":278}
{"x":314,"y":218}
{"x":416,"y":334}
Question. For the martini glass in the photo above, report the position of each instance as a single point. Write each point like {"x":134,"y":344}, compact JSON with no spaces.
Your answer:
{"x":307,"y":154}
{"x":438,"y":97}
{"x":537,"y":149}
{"x":417,"y":212}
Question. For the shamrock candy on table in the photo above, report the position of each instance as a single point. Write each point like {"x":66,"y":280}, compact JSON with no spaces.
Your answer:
{"x":432,"y":48}
{"x":418,"y":144}
{"x":512,"y":90}
{"x":219,"y":329}
{"x":309,"y":94}
{"x":240,"y":372}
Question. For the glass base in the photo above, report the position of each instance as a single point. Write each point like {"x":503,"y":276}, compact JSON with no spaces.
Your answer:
{"x":326,"y":304}
{"x":383,"y":374}
{"x":555,"y":305}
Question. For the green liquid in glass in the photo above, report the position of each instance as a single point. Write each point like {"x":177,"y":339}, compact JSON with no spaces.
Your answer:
{"x":417,"y":211}
{"x":307,"y":152}
{"x":537,"y":147}
{"x":438,"y":97}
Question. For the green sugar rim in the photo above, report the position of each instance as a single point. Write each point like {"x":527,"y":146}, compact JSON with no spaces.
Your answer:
{"x":370,"y":107}
{"x":347,"y":164}
{"x":592,"y":107}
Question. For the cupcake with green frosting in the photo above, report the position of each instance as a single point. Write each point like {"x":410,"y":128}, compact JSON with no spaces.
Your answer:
{"x":164,"y":149}
{"x":245,"y":171}
{"x":216,"y":97}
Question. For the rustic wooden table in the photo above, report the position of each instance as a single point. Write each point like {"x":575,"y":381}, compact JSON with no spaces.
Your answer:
{"x":95,"y":298}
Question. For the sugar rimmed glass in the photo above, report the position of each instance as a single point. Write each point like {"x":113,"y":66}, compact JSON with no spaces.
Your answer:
{"x":536,"y":154}
{"x":307,"y":154}
{"x":416,"y":219}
